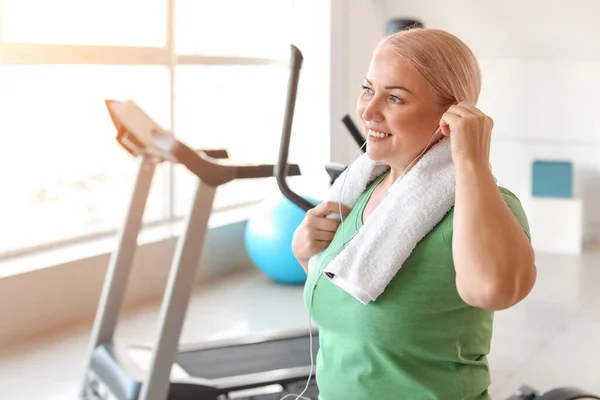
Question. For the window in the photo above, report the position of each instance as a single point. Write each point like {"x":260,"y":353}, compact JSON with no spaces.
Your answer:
{"x":257,"y":28}
{"x":238,"y":108}
{"x":65,"y":175}
{"x":85,"y":22}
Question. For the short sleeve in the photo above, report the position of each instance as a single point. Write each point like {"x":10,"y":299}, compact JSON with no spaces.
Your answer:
{"x":514,"y":204}
{"x":511,"y":200}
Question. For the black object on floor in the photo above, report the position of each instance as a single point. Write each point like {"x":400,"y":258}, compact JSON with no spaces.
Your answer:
{"x":564,"y":393}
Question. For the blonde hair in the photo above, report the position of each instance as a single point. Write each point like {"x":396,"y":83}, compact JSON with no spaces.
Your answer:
{"x":446,"y":63}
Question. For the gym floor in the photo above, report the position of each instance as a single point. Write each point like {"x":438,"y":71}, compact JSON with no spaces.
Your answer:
{"x":551,"y":339}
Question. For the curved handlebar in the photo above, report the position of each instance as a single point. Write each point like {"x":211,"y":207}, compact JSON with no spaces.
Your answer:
{"x":282,"y":165}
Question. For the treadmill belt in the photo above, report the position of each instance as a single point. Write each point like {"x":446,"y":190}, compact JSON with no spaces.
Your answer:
{"x":250,"y":358}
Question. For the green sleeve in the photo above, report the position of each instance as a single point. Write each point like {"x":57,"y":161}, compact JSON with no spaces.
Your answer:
{"x":514,"y":204}
{"x":511,"y":200}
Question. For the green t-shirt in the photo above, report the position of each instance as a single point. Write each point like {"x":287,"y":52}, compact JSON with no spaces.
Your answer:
{"x":418,"y":341}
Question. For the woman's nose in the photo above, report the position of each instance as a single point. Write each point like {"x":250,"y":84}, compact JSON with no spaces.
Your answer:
{"x":372,"y":111}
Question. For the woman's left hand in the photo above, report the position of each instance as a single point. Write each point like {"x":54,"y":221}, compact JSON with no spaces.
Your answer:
{"x":470,"y":132}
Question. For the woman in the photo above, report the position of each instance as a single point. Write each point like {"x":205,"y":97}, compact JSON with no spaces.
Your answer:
{"x":428,"y":335}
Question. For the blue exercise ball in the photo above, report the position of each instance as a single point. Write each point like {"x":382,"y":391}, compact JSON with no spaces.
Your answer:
{"x":268,"y":240}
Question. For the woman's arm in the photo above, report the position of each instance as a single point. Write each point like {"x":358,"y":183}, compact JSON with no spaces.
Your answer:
{"x":493,"y":257}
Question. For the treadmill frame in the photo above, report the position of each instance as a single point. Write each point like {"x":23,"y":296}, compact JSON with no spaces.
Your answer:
{"x":109,"y":372}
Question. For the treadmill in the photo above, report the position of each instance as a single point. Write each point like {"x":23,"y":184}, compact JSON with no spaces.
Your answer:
{"x":261,"y":366}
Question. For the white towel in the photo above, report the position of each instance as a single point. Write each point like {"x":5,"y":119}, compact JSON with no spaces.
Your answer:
{"x":413,"y":206}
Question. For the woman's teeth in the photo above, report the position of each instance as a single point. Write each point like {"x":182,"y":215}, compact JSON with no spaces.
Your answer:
{"x":379,"y":134}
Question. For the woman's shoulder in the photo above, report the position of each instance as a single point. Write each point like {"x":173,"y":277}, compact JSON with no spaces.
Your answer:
{"x":512,"y":202}
{"x":516,"y":207}
{"x":508,"y":194}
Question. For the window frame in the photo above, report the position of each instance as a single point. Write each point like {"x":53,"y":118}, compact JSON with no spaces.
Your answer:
{"x":12,"y":53}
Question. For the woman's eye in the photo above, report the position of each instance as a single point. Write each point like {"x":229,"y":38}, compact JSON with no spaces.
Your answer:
{"x":367,"y":90}
{"x":395,"y":99}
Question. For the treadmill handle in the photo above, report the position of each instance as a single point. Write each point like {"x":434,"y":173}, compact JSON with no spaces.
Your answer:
{"x":264,"y":171}
{"x":140,"y":135}
{"x":214,"y":153}
{"x":250,"y":171}
{"x":281,"y":169}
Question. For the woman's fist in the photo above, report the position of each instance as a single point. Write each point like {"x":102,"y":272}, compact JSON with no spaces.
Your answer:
{"x":316,"y":230}
{"x":470,"y":132}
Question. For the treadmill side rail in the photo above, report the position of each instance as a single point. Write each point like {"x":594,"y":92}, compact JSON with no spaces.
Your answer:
{"x":177,"y":294}
{"x":117,"y":276}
